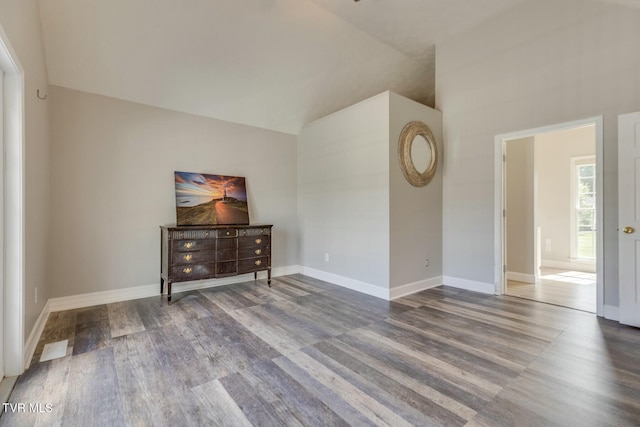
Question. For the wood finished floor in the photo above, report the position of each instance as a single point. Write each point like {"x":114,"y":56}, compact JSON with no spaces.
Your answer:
{"x":309,"y":353}
{"x":567,"y":288}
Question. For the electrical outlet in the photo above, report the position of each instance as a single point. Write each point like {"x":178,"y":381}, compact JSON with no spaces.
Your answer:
{"x":326,"y":257}
{"x":426,"y":264}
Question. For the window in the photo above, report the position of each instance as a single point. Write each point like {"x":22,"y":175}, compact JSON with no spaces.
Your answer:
{"x":584,"y":208}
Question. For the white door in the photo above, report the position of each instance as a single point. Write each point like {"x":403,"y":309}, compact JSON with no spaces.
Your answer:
{"x":629,"y":217}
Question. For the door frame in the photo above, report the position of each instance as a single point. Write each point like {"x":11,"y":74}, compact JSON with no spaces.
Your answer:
{"x":13,"y":209}
{"x":500,"y":206}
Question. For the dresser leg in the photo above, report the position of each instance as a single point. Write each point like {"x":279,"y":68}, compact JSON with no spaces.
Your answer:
{"x":169,"y":291}
{"x":255,"y":275}
{"x":269,"y":277}
{"x":161,"y":285}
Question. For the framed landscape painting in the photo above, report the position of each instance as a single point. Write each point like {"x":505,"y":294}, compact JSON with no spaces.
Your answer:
{"x":203,"y":199}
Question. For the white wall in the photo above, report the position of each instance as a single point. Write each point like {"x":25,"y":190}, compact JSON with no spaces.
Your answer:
{"x":553,"y":166}
{"x":520,"y":198}
{"x":112,"y":165}
{"x":343,"y":193}
{"x":561,"y":61}
{"x":355,"y":205}
{"x":20,"y":21}
{"x":415,"y":212}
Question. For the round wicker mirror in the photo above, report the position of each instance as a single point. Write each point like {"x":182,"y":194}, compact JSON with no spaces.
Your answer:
{"x":417,"y":132}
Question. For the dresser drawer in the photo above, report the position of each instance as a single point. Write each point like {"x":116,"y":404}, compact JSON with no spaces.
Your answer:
{"x":252,"y":264}
{"x":250,"y":241}
{"x":193,"y":245}
{"x":193,"y":234}
{"x":197,"y":257}
{"x":228,"y":268}
{"x":253,"y":251}
{"x":227,"y":232}
{"x":226,"y":254}
{"x":265,"y":231}
{"x":182,"y":273}
{"x":227,"y":244}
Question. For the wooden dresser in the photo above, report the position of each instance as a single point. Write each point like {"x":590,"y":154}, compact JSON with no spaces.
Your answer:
{"x":213,"y":251}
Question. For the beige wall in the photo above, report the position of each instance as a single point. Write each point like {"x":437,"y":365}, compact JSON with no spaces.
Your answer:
{"x":561,"y":61}
{"x":415,"y":212}
{"x":20,"y":21}
{"x":355,"y":205}
{"x":553,"y":166}
{"x":343,"y":193}
{"x":112,"y":183}
{"x":520,"y":199}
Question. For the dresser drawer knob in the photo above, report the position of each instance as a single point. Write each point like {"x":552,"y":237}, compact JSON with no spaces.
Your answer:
{"x":206,"y":234}
{"x":258,"y":241}
{"x":228,"y":232}
{"x":188,"y":257}
{"x":258,"y":262}
{"x":188,"y":245}
{"x":258,"y":251}
{"x":187,"y":270}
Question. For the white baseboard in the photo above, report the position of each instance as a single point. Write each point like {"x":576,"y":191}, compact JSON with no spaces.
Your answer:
{"x":612,"y":312}
{"x":104,"y":297}
{"x":522,"y":277}
{"x":34,"y":336}
{"x":470,"y":285}
{"x":145,"y":291}
{"x":412,"y":288}
{"x":369,"y":289}
{"x":584,"y":266}
{"x":346,"y":282}
{"x":284,"y":271}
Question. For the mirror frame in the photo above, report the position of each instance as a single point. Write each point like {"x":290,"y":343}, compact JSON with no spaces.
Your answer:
{"x":408,"y":134}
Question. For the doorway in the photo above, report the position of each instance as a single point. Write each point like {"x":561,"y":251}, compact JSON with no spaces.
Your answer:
{"x":549,"y":231}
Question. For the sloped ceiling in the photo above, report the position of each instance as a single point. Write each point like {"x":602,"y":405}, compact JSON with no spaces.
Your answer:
{"x":274,"y":64}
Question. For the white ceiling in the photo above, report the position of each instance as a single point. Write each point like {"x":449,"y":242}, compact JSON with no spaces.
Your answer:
{"x":274,"y":64}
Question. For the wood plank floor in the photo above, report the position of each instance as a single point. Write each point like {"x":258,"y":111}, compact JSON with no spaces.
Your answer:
{"x":567,"y":288}
{"x":309,"y":353}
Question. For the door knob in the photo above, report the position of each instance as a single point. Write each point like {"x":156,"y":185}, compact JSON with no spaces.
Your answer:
{"x":628,"y":230}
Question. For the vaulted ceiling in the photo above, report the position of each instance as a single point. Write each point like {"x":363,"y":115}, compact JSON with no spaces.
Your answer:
{"x":274,"y":64}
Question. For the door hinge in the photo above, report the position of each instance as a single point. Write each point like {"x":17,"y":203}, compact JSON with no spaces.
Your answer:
{"x":504,"y":269}
{"x":504,"y":213}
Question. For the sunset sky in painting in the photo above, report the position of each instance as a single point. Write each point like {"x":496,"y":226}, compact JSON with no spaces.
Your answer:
{"x":207,"y":187}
